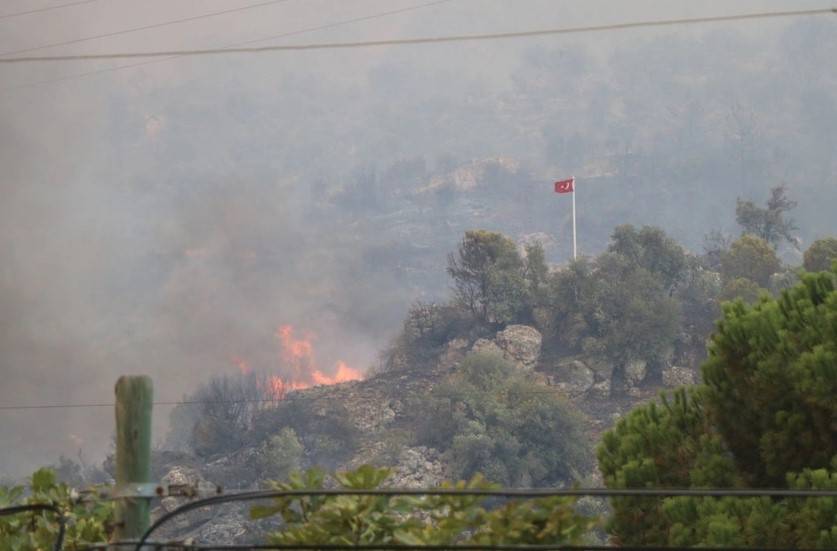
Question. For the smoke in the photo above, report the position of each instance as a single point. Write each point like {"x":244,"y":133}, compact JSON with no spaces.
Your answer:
{"x":168,"y":218}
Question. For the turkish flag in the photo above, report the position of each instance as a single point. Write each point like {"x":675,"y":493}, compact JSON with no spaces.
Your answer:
{"x":565,"y":186}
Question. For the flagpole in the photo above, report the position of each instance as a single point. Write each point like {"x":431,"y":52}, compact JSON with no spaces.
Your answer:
{"x":575,"y":249}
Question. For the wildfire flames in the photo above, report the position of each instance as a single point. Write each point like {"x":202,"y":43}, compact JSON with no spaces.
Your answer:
{"x":297,"y":355}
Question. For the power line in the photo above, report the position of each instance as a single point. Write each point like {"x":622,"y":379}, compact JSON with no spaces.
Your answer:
{"x":420,"y":40}
{"x":166,"y":403}
{"x":48,"y":8}
{"x":257,"y":495}
{"x":543,"y":392}
{"x":145,"y":27}
{"x":274,"y":37}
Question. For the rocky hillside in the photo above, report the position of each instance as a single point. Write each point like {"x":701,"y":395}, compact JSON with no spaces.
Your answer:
{"x":381,"y":409}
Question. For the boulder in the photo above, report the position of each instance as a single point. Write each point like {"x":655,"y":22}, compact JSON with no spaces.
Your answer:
{"x":453,"y":354}
{"x":573,"y":377}
{"x":602,"y":368}
{"x":678,"y":376}
{"x":418,"y":467}
{"x":485,"y":346}
{"x":601,"y":389}
{"x":520,"y":344}
{"x":179,"y":475}
{"x":635,"y":372}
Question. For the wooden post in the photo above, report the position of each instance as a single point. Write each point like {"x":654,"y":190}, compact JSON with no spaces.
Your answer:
{"x":134,"y":397}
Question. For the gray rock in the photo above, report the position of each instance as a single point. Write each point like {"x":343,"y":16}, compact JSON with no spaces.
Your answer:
{"x":485,"y":346}
{"x":601,"y":389}
{"x":418,"y":467}
{"x":520,"y":344}
{"x":573,"y":377}
{"x":602,"y":368}
{"x":678,"y":376}
{"x":635,"y":372}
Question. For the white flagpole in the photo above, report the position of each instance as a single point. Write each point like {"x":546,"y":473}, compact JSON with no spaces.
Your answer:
{"x":575,"y":248}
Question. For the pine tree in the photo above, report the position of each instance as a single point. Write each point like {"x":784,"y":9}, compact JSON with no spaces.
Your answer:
{"x":765,"y":417}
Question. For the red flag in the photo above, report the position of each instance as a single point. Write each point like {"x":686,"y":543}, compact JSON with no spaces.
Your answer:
{"x":565,"y":186}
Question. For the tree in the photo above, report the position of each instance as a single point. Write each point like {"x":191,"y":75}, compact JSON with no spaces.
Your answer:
{"x":487,"y":274}
{"x":768,"y":223}
{"x":282,"y":454}
{"x":631,"y":314}
{"x":492,"y":418}
{"x":820,"y":255}
{"x":715,"y":243}
{"x":569,"y":296}
{"x":752,"y":258}
{"x":763,"y":418}
{"x":741,"y":288}
{"x":771,"y":380}
{"x":651,"y":249}
{"x":536,"y":277}
{"x":415,"y":521}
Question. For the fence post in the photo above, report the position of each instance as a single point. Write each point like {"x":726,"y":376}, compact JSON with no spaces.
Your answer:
{"x":134,"y":397}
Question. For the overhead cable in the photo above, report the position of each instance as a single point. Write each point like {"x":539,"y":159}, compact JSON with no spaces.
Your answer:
{"x":47,"y":8}
{"x":257,"y":495}
{"x":419,"y":40}
{"x":543,"y":392}
{"x":144,"y":27}
{"x":326,"y":26}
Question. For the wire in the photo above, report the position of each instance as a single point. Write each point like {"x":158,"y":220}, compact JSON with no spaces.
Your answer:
{"x":171,"y":403}
{"x":274,"y":37}
{"x":48,"y":8}
{"x":542,"y":392}
{"x":420,"y":40}
{"x":507,"y":493}
{"x":145,"y":27}
{"x":452,"y":547}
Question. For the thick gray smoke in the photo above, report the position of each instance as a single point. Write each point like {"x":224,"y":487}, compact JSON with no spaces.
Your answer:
{"x":167,"y":218}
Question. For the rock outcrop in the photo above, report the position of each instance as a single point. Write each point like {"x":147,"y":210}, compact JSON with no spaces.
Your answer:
{"x":573,"y":377}
{"x":418,"y":467}
{"x":678,"y":376}
{"x":520,"y":344}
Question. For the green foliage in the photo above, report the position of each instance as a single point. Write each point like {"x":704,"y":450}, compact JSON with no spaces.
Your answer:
{"x":426,"y":331}
{"x":631,"y":315}
{"x":768,"y":223}
{"x":85,"y":523}
{"x":490,"y":417}
{"x":324,"y":428}
{"x":771,"y":380}
{"x":743,"y":289}
{"x":408,"y":520}
{"x":282,"y":454}
{"x":764,"y":418}
{"x":698,"y":295}
{"x":488,"y":277}
{"x":750,"y":257}
{"x":652,"y":249}
{"x":820,"y":255}
{"x":612,"y":309}
{"x":670,"y":444}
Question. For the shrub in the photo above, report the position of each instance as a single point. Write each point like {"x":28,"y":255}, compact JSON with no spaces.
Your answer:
{"x":820,"y":255}
{"x":490,"y":417}
{"x":416,"y":521}
{"x":86,"y":523}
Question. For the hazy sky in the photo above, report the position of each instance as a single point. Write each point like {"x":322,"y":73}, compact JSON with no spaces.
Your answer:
{"x":155,"y":219}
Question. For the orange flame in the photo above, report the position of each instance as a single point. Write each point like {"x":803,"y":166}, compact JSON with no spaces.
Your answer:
{"x":297,"y":354}
{"x":242,"y":365}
